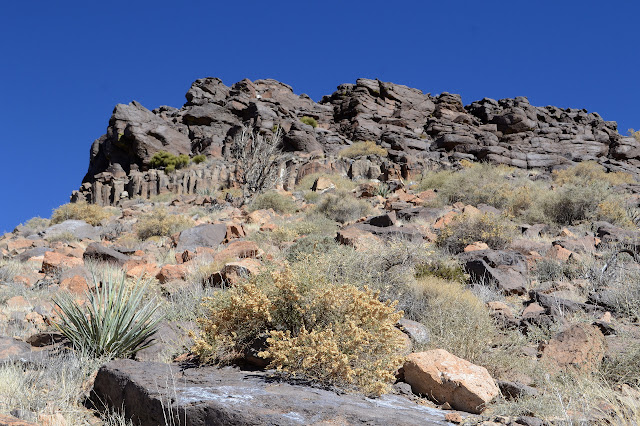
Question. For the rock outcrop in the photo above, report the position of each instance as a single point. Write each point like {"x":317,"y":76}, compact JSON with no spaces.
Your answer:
{"x":155,"y":393}
{"x":416,"y":129}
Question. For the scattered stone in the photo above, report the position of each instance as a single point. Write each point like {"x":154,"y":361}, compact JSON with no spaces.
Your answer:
{"x":171,"y":273}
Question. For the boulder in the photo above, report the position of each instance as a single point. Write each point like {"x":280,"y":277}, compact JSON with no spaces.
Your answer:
{"x":449,"y":379}
{"x":580,"y":348}
{"x":415,"y":330}
{"x":78,"y":228}
{"x":170,"y":273}
{"x":101,"y":253}
{"x":506,"y":269}
{"x":12,"y":349}
{"x":54,"y":261}
{"x":206,"y":235}
{"x":156,"y":393}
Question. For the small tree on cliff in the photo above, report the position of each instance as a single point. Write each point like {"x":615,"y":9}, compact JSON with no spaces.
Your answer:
{"x":257,"y":159}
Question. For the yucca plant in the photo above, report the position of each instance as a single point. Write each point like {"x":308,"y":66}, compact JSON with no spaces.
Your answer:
{"x":114,"y":323}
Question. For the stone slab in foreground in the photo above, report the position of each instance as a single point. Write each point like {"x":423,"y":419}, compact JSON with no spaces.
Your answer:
{"x":211,"y":396}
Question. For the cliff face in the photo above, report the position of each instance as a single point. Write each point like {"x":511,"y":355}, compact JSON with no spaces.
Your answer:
{"x":417,"y":129}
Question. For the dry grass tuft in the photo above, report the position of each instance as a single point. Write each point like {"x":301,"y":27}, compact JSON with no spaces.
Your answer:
{"x":93,"y":214}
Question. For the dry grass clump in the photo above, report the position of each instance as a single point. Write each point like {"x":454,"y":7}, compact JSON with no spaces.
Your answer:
{"x":590,"y":172}
{"x":335,"y":335}
{"x":457,"y":320}
{"x":37,"y":223}
{"x":160,"y":223}
{"x":93,"y":214}
{"x":280,"y":203}
{"x":340,"y":182}
{"x":48,"y":386}
{"x":465,"y":229}
{"x":63,"y":237}
{"x":482,"y":183}
{"x":359,"y":149}
{"x":342,"y":207}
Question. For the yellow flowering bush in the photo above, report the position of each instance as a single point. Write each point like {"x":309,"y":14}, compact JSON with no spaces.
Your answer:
{"x":334,"y":335}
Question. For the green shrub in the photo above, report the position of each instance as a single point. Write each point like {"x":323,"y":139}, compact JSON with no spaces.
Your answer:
{"x":496,"y":231}
{"x":93,"y":214}
{"x":199,"y":158}
{"x":169,"y":161}
{"x":342,"y":207}
{"x":573,"y":203}
{"x":280,"y":203}
{"x":115,"y":322}
{"x":160,"y":223}
{"x":335,"y":335}
{"x":310,"y":121}
{"x":483,"y":183}
{"x":310,"y":245}
{"x":359,"y":149}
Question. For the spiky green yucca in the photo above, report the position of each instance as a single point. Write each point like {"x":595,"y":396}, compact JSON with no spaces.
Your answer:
{"x":114,"y":322}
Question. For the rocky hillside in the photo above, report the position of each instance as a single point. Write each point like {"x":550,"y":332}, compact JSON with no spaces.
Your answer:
{"x":338,"y":291}
{"x":418,"y":131}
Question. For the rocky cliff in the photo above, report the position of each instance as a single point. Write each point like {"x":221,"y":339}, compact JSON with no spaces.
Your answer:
{"x":418,"y":130}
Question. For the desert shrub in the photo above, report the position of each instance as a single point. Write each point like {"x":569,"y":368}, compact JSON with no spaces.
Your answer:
{"x":613,"y":210}
{"x":309,"y":245}
{"x":161,"y":224}
{"x":312,"y":224}
{"x":257,"y":158}
{"x":457,"y":320}
{"x":64,"y":237}
{"x":48,"y":384}
{"x":340,"y":182}
{"x":115,"y":322}
{"x":93,"y":214}
{"x":359,"y":149}
{"x":623,"y":367}
{"x":481,"y":183}
{"x":335,"y":335}
{"x":496,"y":231}
{"x":570,"y":203}
{"x":310,"y":121}
{"x":37,"y":223}
{"x":588,"y":173}
{"x":448,"y":269}
{"x":342,"y":207}
{"x":169,"y":161}
{"x":200,"y":158}
{"x":280,"y":203}
{"x":551,"y":270}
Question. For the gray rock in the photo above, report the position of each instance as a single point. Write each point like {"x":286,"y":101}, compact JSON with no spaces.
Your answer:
{"x":78,"y":228}
{"x":149,"y":392}
{"x":13,"y":349}
{"x":415,"y":330}
{"x":504,"y":268}
{"x":205,"y":235}
{"x":99,"y":252}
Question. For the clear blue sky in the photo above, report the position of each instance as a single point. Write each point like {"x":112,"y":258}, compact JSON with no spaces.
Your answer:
{"x":64,"y":65}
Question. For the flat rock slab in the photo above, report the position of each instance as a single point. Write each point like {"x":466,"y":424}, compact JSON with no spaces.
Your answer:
{"x":149,"y":392}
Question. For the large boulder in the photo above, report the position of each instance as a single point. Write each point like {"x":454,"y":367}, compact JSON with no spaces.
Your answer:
{"x":154,"y":393}
{"x":206,"y":235}
{"x":78,"y":228}
{"x":579,"y":348}
{"x":449,"y":379}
